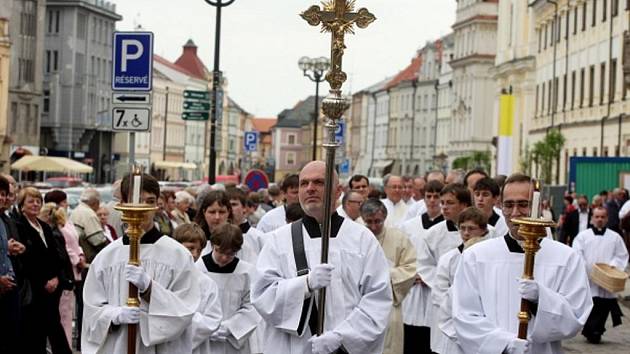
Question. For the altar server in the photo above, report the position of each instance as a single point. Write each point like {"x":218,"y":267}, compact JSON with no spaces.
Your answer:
{"x":233,"y":277}
{"x":488,"y":288}
{"x":167,"y":284}
{"x":601,"y":245}
{"x":359,"y":296}
{"x":276,"y":217}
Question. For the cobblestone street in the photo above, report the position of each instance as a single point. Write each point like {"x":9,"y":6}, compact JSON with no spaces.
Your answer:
{"x":615,"y":340}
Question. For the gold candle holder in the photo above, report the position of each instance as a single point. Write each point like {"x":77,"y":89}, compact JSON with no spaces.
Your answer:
{"x":133,"y":215}
{"x":531,"y":230}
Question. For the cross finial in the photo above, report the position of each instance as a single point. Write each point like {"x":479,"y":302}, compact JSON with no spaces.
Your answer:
{"x":338,"y":18}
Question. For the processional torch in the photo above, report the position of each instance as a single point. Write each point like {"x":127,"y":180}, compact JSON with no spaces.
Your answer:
{"x":531,"y":229}
{"x":337,"y":17}
{"x":134,"y":212}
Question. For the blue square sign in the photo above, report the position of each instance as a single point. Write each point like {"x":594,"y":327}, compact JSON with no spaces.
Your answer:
{"x":132,"y":61}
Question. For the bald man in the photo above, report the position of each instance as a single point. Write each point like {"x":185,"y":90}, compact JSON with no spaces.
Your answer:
{"x":357,"y":281}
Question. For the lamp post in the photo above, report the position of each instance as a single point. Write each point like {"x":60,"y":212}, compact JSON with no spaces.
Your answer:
{"x":314,"y":69}
{"x":216,"y":81}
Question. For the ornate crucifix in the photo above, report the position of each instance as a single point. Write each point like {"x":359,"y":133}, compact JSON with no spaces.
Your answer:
{"x":338,"y":18}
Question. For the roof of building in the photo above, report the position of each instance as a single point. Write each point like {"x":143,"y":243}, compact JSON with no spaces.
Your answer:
{"x":264,"y":125}
{"x":410,"y":73}
{"x":191,"y":62}
{"x":173,"y":66}
{"x":299,"y":115}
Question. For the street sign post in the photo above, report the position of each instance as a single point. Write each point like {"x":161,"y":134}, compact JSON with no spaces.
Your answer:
{"x":250,"y":141}
{"x":195,"y":116}
{"x":131,"y":119}
{"x":132,"y":61}
{"x":196,"y":95}
{"x":140,"y":98}
{"x":197,"y":105}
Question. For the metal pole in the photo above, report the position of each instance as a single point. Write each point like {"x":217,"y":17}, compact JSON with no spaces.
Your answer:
{"x":165,"y":125}
{"x":132,"y":148}
{"x":316,"y":115}
{"x":216,"y":78}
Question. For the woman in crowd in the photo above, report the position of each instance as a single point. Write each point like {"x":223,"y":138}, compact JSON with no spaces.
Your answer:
{"x":214,"y":211}
{"x":162,"y":218}
{"x":43,"y":269}
{"x":108,"y":230}
{"x":183,"y":201}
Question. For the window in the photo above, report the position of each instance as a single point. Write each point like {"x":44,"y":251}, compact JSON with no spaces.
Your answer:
{"x":26,"y":70}
{"x":582,"y":83}
{"x":545,"y":43}
{"x":46,"y":106}
{"x":573,"y":89}
{"x":584,"y":7}
{"x":594,"y":17}
{"x":550,"y":100}
{"x":568,"y":21}
{"x":584,"y":152}
{"x":536,"y":104}
{"x":290,"y":158}
{"x":539,"y":40}
{"x":28,"y":20}
{"x":612,"y":80}
{"x":564,"y":91}
{"x":48,"y":61}
{"x":575,"y":20}
{"x":595,"y":152}
{"x":614,"y":8}
{"x":542,"y":101}
{"x":591,"y":85}
{"x":605,"y":151}
{"x":291,"y":139}
{"x":556,"y":98}
{"x":55,"y":65}
{"x":552,"y":33}
{"x":604,"y":12}
{"x":602,"y":82}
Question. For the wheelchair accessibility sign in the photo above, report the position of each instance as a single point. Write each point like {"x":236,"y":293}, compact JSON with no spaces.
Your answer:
{"x":134,"y":119}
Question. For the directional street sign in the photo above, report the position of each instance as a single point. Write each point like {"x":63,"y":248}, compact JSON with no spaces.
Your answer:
{"x":197,"y":95}
{"x":132,"y":61}
{"x":131,"y":119}
{"x":250,"y":141}
{"x":196,"y":106}
{"x":136,"y":98}
{"x":195,"y":116}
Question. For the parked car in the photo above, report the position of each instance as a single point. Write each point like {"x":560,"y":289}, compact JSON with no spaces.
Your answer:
{"x":65,"y":182}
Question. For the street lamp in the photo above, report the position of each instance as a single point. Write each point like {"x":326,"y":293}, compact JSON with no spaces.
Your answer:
{"x":216,"y":79}
{"x":314,"y":69}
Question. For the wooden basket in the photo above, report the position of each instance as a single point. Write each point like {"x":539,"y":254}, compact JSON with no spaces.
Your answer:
{"x":609,"y":278}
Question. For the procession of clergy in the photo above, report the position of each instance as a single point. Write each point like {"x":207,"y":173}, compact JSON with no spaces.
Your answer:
{"x":438,"y":273}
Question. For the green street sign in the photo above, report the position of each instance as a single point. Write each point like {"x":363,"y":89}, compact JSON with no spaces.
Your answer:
{"x":196,"y":106}
{"x":198,"y":116}
{"x":197,"y":95}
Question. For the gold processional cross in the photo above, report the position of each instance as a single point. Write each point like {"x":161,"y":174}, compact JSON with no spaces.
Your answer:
{"x":338,"y":18}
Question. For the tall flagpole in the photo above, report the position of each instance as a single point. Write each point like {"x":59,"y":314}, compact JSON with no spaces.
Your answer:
{"x":338,"y":18}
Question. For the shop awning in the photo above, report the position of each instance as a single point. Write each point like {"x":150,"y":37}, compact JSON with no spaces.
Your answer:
{"x":50,"y":164}
{"x":174,"y":164}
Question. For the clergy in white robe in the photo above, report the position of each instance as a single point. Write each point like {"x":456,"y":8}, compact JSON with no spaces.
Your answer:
{"x":487,"y":289}
{"x":417,"y":304}
{"x":272,"y":219}
{"x":395,"y":204}
{"x":240,"y":319}
{"x":357,"y":282}
{"x":416,"y":210}
{"x":165,"y":314}
{"x":401,"y":255}
{"x":601,"y":245}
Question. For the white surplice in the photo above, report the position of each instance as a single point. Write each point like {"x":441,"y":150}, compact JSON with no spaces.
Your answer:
{"x":416,"y":306}
{"x":608,"y":248}
{"x":272,"y":219}
{"x":395,"y":212}
{"x":442,"y":303}
{"x":497,"y":220}
{"x":358,"y":300}
{"x":239,"y":316}
{"x":416,"y":209}
{"x":253,"y":240}
{"x":486,"y":299}
{"x":164,"y":319}
{"x":208,"y":316}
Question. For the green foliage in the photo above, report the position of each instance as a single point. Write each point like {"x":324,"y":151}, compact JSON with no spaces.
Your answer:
{"x":547,"y":152}
{"x":475,"y":159}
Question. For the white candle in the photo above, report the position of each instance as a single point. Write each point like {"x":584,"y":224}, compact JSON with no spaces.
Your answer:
{"x":137,"y":180}
{"x":535,"y":205}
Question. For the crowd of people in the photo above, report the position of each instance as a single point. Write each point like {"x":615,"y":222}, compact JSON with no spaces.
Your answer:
{"x":428,"y":264}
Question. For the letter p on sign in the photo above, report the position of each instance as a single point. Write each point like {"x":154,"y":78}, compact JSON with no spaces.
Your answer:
{"x":126,"y":55}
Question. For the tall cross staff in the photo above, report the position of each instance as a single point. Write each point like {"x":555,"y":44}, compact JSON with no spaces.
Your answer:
{"x":338,"y":18}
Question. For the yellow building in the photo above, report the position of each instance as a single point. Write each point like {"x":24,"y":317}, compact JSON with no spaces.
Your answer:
{"x":5,"y":58}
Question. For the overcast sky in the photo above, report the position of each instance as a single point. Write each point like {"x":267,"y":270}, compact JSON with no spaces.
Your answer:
{"x":262,"y":41}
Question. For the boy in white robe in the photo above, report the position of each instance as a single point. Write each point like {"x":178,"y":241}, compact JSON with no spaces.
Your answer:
{"x":485,"y":195}
{"x":232,"y":276}
{"x":417,"y":304}
{"x":208,"y":316}
{"x":252,"y":238}
{"x":473,"y":228}
{"x":167,"y":285}
{"x":359,"y":296}
{"x":601,"y":245}
{"x":275,"y":218}
{"x":488,"y":288}
{"x":441,"y":238}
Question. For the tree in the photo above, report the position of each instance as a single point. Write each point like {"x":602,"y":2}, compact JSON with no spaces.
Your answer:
{"x":547,"y":151}
{"x":476,"y":159}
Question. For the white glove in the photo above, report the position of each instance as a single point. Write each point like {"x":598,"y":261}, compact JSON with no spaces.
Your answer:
{"x":320,"y":276}
{"x":528,"y":289}
{"x":326,"y":343}
{"x":220,"y":335}
{"x":127,"y":315}
{"x":138,"y":277}
{"x":517,"y":346}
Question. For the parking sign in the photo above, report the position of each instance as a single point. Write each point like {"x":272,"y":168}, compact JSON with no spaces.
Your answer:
{"x":132,"y":61}
{"x":340,"y":132}
{"x":250,"y":141}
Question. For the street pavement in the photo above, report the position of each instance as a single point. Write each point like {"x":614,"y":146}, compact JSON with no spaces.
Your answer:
{"x":614,"y":341}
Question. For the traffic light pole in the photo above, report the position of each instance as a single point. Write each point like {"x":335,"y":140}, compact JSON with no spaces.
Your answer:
{"x":216,"y":85}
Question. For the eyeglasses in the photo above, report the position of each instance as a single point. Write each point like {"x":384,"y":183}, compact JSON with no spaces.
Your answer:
{"x":397,"y":188}
{"x":373,"y":222}
{"x":520,"y":204}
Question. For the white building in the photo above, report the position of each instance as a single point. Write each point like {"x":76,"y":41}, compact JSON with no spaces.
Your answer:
{"x":445,"y":105}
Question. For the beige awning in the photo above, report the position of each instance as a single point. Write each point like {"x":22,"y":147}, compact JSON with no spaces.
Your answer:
{"x":50,"y":164}
{"x":174,"y":164}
